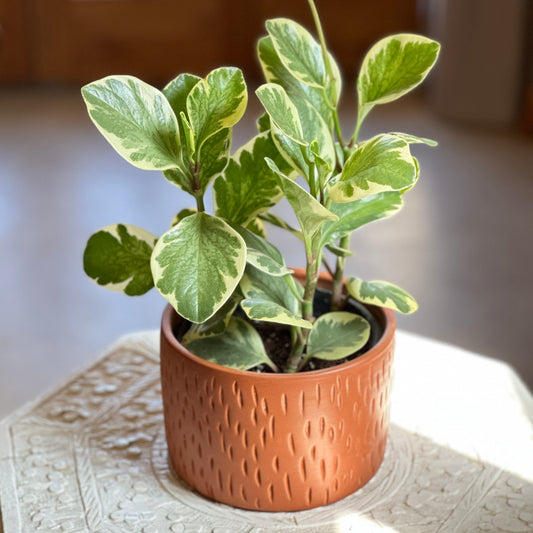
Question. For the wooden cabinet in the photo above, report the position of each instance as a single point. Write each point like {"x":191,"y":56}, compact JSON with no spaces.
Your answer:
{"x":80,"y":40}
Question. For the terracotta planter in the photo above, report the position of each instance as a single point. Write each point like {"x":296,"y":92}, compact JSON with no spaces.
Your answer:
{"x":276,"y":442}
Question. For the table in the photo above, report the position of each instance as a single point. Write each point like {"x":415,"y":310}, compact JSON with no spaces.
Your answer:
{"x":90,"y":456}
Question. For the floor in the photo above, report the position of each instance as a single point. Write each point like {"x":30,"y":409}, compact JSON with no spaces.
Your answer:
{"x":462,"y":245}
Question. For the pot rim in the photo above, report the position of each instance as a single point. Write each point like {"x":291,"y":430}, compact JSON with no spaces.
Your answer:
{"x":388,"y":320}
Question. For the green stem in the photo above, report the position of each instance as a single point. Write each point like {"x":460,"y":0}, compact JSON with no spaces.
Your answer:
{"x":353,"y":140}
{"x":361,"y":115}
{"x":314,"y":261}
{"x":312,"y":180}
{"x":338,"y":130}
{"x":322,"y":40}
{"x":329,"y":70}
{"x":200,"y":202}
{"x":294,"y":360}
{"x":337,"y":285}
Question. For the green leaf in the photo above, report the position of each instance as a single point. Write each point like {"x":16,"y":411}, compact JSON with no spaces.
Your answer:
{"x":276,"y":72}
{"x":213,"y":157}
{"x":248,"y":187}
{"x":337,"y":335}
{"x":338,"y":251}
{"x":382,"y":294}
{"x":136,"y":119}
{"x":291,"y":152}
{"x":184,"y":213}
{"x":277,"y":221}
{"x":384,"y":163}
{"x":118,"y":257}
{"x":239,"y":347}
{"x":324,"y":168}
{"x":415,"y":181}
{"x":213,"y":154}
{"x":256,"y":242}
{"x":197,"y":264}
{"x":216,"y":102}
{"x":180,"y":177}
{"x":263,"y":123}
{"x":394,"y":66}
{"x":297,"y":124}
{"x":256,"y":226}
{"x":216,"y":324}
{"x":281,"y":110}
{"x":310,"y":213}
{"x":353,"y":215}
{"x":270,"y":299}
{"x":176,"y":92}
{"x":315,"y":129}
{"x":298,"y":51}
{"x":265,"y":263}
{"x":188,"y":135}
{"x":413,"y":139}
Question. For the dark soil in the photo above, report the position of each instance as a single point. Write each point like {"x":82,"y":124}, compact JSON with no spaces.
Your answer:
{"x":277,"y":339}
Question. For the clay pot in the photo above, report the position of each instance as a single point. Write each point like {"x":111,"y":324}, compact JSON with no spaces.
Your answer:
{"x":276,"y":442}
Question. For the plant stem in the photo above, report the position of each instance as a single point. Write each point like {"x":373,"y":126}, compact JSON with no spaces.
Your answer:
{"x":329,"y":70}
{"x":338,"y":130}
{"x":322,"y":40}
{"x":200,"y":202}
{"x":295,"y":360}
{"x":337,"y":285}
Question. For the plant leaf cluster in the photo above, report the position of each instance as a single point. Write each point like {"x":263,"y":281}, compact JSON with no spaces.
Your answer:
{"x":216,"y":266}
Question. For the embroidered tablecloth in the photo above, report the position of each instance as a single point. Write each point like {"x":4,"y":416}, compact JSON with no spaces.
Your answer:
{"x":91,"y":456}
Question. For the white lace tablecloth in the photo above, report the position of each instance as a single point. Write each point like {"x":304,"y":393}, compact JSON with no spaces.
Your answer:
{"x":91,"y":455}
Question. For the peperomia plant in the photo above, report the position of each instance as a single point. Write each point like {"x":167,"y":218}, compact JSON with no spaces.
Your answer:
{"x":217,"y":269}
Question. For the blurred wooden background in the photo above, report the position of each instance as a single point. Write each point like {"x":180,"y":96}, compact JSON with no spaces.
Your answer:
{"x":77,"y":41}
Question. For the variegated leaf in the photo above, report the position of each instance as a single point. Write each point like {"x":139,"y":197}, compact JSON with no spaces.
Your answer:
{"x":417,"y":175}
{"x":336,"y":335}
{"x":277,"y":221}
{"x":384,"y":163}
{"x":176,"y":92}
{"x":197,"y":264}
{"x":256,"y":226}
{"x":382,"y":294}
{"x":301,"y":54}
{"x":210,"y":160}
{"x":291,"y":151}
{"x":216,"y":102}
{"x":184,"y":213}
{"x":248,"y":187}
{"x":276,"y":72}
{"x":181,"y":177}
{"x":394,"y":66}
{"x":118,"y":258}
{"x":213,"y":157}
{"x":256,"y":242}
{"x":188,"y":135}
{"x":215,"y":325}
{"x":324,"y":168}
{"x":413,"y":139}
{"x":265,"y":263}
{"x":310,"y":213}
{"x":270,"y":299}
{"x":239,"y":347}
{"x":263,"y":123}
{"x":315,"y":129}
{"x":137,"y":120}
{"x":281,"y":110}
{"x":353,"y":215}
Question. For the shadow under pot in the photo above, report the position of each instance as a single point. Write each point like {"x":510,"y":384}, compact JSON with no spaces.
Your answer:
{"x":276,"y":442}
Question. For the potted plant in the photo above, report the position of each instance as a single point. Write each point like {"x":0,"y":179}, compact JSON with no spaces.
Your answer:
{"x":275,"y":393}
